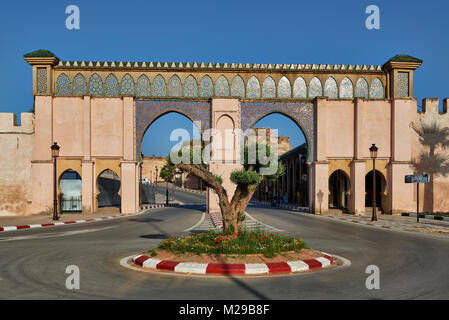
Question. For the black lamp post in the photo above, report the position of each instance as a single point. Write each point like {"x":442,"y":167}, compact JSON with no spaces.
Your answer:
{"x":373,"y":152}
{"x":55,"y":154}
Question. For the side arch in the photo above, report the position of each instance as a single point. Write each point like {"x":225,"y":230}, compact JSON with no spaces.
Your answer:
{"x":300,"y":112}
{"x":147,"y":111}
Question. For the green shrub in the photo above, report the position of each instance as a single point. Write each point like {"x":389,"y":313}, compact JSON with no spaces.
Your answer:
{"x":247,"y":242}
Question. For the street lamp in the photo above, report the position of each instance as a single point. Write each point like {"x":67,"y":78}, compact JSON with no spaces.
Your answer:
{"x":373,"y":152}
{"x":55,"y":154}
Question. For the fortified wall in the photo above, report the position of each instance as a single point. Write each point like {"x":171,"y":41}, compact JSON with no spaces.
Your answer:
{"x":16,"y":149}
{"x":430,"y":154}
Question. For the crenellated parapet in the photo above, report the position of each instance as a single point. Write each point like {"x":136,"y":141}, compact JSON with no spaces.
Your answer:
{"x":8,"y":123}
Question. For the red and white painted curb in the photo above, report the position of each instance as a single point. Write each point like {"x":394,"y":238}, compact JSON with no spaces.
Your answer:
{"x":59,"y":223}
{"x":218,"y":223}
{"x":238,"y":268}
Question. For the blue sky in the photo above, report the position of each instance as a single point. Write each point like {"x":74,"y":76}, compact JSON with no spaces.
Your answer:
{"x":281,"y":31}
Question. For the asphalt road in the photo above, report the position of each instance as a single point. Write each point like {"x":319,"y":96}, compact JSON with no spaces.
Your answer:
{"x":33,"y":262}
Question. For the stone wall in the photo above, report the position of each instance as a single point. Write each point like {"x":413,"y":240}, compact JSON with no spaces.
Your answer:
{"x":16,"y":149}
{"x":430,"y":154}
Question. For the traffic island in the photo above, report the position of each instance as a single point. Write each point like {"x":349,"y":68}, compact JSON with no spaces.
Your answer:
{"x":249,"y":253}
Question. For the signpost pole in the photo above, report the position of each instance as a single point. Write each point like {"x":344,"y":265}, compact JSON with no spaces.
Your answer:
{"x":417,"y":202}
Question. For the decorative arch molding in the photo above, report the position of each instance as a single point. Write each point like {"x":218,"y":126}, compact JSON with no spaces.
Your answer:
{"x":331,"y":88}
{"x":300,"y":88}
{"x":315,"y":88}
{"x":111,"y":86}
{"x":237,"y":87}
{"x":222,"y":87}
{"x":190,"y":87}
{"x":377,"y":89}
{"x":206,"y":87}
{"x":284,"y":88}
{"x":300,"y":112}
{"x":361,"y":88}
{"x":147,"y":111}
{"x":63,"y":85}
{"x":127,"y":85}
{"x":269,"y":88}
{"x":253,"y":88}
{"x":174,"y":86}
{"x":346,"y":89}
{"x":159,"y":89}
{"x":79,"y":85}
{"x":143,"y":86}
{"x":95,"y":85}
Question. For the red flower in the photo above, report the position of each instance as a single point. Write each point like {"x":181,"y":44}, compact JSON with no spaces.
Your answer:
{"x":260,"y":239}
{"x":272,"y":235}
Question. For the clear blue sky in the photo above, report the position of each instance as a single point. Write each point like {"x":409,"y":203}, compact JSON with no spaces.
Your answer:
{"x":294,"y":31}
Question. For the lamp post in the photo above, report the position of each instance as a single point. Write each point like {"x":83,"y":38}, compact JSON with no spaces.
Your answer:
{"x":373,"y":152}
{"x":55,"y":154}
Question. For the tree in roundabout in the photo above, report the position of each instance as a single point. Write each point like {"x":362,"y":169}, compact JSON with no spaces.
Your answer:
{"x":233,"y":238}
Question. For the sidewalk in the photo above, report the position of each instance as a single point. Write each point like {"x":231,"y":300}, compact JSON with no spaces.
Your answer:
{"x":399,"y":223}
{"x":43,"y":219}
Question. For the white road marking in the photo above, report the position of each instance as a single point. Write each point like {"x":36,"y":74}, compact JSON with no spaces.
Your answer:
{"x":50,"y":235}
{"x":263,"y":224}
{"x":198,"y":223}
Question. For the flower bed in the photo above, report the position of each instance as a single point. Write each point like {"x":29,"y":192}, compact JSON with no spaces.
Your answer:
{"x":248,"y":242}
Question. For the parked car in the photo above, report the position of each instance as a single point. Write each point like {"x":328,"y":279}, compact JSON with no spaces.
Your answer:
{"x":145,"y":181}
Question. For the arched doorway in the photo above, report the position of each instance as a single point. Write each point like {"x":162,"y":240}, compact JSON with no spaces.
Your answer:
{"x":108,"y":186}
{"x":380,"y":187}
{"x":70,"y":184}
{"x":338,"y":190}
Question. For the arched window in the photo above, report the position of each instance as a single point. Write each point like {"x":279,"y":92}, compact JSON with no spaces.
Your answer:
{"x":330,"y":88}
{"x":63,"y":85}
{"x":95,"y":85}
{"x":269,"y":88}
{"x":174,"y":86}
{"x":361,"y":88}
{"x":190,"y":87}
{"x":376,"y":90}
{"x":315,"y":88}
{"x":237,"y":87}
{"x":206,"y":87}
{"x":143,"y":86}
{"x":346,"y":89}
{"x":299,"y":88}
{"x":79,"y":85}
{"x":111,"y":85}
{"x":159,"y":87}
{"x":253,"y":88}
{"x":127,"y":86}
{"x":284,"y":88}
{"x":222,"y":87}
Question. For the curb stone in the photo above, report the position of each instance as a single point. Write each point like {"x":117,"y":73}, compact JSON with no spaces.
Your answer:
{"x":145,"y":261}
{"x":53,"y":224}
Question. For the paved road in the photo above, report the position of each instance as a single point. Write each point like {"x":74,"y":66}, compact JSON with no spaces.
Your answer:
{"x":412,"y":265}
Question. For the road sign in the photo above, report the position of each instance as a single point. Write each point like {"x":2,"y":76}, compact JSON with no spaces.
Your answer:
{"x":417,"y":178}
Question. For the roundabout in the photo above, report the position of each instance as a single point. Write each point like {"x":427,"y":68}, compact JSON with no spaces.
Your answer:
{"x":183,"y":265}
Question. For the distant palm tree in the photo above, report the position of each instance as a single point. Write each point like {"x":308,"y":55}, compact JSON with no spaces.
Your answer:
{"x":434,"y":138}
